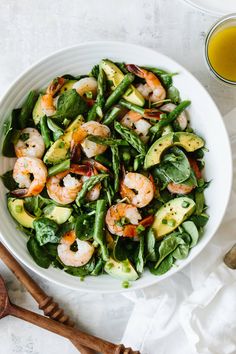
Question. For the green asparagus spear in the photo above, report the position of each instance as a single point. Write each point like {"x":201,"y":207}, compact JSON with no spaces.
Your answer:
{"x":88,"y":185}
{"x":45,"y":132}
{"x":112,"y":115}
{"x":131,"y":137}
{"x":107,"y":141}
{"x":119,"y":91}
{"x":92,"y":114}
{"x":60,"y":167}
{"x":25,"y":116}
{"x":116,"y":166}
{"x":99,"y":228}
{"x":100,"y":101}
{"x":153,"y":113}
{"x":132,"y":106}
{"x":170,"y":117}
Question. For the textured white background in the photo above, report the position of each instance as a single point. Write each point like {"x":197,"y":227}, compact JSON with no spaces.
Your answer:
{"x":31,"y":29}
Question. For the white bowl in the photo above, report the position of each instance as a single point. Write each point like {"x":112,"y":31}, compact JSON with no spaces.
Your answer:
{"x":205,"y":119}
{"x":214,"y":7}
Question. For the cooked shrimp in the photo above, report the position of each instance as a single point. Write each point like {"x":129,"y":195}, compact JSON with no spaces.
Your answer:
{"x":87,"y":84}
{"x":153,"y":87}
{"x":94,"y":128}
{"x":181,"y":119}
{"x":63,"y":188}
{"x":74,"y":258}
{"x":134,"y":120}
{"x":137,"y":188}
{"x":179,"y":188}
{"x":25,"y":168}
{"x":48,"y":103}
{"x":30,"y":143}
{"x":121,"y":212}
{"x":66,"y":193}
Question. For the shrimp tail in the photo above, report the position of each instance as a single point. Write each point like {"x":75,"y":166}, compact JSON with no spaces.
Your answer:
{"x":152,"y":114}
{"x":83,"y":170}
{"x":55,"y":85}
{"x":136,"y":70}
{"x":21,"y":192}
{"x":75,"y":153}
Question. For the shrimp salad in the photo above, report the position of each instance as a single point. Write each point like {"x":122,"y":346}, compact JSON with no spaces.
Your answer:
{"x":108,"y":174}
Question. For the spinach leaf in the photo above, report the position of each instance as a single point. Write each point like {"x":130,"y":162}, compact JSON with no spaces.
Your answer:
{"x":51,"y":250}
{"x":25,"y":116}
{"x":38,"y":253}
{"x":181,"y":252}
{"x":8,"y":181}
{"x":192,"y":230}
{"x":202,"y":185}
{"x":167,"y":246}
{"x":175,"y":166}
{"x":84,"y":226}
{"x":185,"y":237}
{"x":81,"y":271}
{"x":163,"y":267}
{"x":70,"y":105}
{"x":200,"y":220}
{"x":191,"y":181}
{"x":140,"y":256}
{"x":10,"y":131}
{"x":33,"y":205}
{"x":200,"y":202}
{"x":119,"y":249}
{"x":173,"y":94}
{"x":46,"y":231}
{"x":150,"y":246}
{"x":66,"y":227}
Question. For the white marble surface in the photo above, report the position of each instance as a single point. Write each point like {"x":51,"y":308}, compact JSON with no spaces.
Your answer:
{"x":31,"y":29}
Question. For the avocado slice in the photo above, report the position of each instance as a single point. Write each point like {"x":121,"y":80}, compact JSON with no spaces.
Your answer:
{"x":115,"y":76}
{"x":189,"y":141}
{"x":171,"y":215}
{"x":59,"y":151}
{"x":37,"y":111}
{"x":121,"y":270}
{"x":18,"y":212}
{"x":57,"y":214}
{"x":67,"y":86}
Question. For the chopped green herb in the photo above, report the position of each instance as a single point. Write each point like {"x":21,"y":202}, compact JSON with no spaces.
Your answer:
{"x":185,"y":204}
{"x":171,"y":222}
{"x":24,"y":136}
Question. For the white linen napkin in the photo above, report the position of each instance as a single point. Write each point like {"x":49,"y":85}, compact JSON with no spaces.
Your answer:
{"x":195,"y":310}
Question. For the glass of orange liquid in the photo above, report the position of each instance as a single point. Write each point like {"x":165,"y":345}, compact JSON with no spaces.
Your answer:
{"x":220,"y":49}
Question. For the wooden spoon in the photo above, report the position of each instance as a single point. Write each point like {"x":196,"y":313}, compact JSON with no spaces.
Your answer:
{"x":87,"y":340}
{"x":46,"y":303}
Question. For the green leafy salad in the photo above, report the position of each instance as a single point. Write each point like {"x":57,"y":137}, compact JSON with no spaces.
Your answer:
{"x":108,"y":173}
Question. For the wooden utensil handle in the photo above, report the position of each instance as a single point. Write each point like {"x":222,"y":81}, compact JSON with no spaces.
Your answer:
{"x":86,"y":340}
{"x":46,"y":303}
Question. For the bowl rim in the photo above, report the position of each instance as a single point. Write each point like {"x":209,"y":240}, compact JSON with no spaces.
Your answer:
{"x":154,"y":280}
{"x":205,"y":10}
